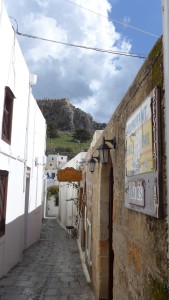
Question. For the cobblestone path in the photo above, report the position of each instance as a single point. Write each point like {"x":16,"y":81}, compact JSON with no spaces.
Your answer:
{"x":51,"y":269}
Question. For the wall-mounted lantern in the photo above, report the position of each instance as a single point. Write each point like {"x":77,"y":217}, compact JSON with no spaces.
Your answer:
{"x":104,"y":150}
{"x":92,"y":162}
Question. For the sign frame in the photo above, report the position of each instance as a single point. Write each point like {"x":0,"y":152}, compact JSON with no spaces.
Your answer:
{"x":69,"y":174}
{"x":143,"y":180}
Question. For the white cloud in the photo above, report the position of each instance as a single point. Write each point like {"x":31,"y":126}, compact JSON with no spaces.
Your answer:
{"x":47,"y":28}
{"x":91,"y":80}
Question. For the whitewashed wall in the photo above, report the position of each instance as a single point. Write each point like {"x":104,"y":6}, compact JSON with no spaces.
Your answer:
{"x":67,"y":191}
{"x":23,"y":217}
{"x":54,"y":162}
{"x":52,"y":210}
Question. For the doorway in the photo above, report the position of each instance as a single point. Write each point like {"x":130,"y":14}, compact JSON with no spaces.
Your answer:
{"x":111,"y":252}
{"x":105,"y":223}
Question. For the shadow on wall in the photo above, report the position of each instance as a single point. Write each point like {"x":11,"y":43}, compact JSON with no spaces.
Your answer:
{"x":20,"y":234}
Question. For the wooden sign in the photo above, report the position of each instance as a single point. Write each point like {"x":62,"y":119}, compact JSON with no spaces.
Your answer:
{"x":69,"y":174}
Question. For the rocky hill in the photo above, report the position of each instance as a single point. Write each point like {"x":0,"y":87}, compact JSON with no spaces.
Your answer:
{"x":66,"y":117}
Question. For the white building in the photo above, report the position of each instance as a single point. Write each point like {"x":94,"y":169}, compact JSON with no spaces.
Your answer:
{"x":22,"y":146}
{"x":54,"y":162}
{"x":69,"y":194}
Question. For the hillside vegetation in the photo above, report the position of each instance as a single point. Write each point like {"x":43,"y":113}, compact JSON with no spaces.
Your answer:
{"x":65,"y":144}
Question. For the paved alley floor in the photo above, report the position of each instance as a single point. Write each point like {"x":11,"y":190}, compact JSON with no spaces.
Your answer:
{"x":51,"y":269}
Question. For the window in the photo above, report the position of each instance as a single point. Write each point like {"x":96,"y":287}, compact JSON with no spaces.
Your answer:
{"x":7,"y":115}
{"x":57,"y":201}
{"x":3,"y":197}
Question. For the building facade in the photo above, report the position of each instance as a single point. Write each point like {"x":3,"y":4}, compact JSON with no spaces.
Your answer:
{"x":22,"y":151}
{"x":165,"y":18}
{"x":54,"y":162}
{"x":126,"y":198}
{"x":69,"y":194}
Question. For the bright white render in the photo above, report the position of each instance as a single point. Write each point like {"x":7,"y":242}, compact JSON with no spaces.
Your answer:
{"x":52,"y":209}
{"x":69,"y":194}
{"x":22,"y":152}
{"x":54,"y":162}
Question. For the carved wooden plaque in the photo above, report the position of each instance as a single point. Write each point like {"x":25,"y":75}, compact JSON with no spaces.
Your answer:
{"x":69,"y":174}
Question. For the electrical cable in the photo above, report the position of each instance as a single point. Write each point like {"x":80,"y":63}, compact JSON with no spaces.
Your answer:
{"x":149,"y":68}
{"x":80,"y":46}
{"x":121,"y":23}
{"x":15,"y":22}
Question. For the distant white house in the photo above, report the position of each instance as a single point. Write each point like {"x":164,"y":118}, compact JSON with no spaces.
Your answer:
{"x":69,"y":194}
{"x":22,"y":151}
{"x":54,"y":162}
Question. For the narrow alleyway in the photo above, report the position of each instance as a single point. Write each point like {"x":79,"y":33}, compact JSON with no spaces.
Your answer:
{"x":50,"y":270}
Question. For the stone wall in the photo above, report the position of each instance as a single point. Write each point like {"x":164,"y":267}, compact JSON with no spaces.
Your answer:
{"x":139,"y":240}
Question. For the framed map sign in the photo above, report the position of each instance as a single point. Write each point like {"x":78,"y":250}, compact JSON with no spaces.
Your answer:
{"x":139,"y":155}
{"x":143,"y":157}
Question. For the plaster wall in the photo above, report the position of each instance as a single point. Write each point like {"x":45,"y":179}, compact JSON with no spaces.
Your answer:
{"x":139,"y":241}
{"x":165,"y":18}
{"x":52,"y":209}
{"x":55,"y":161}
{"x":26,"y":151}
{"x":68,"y":192}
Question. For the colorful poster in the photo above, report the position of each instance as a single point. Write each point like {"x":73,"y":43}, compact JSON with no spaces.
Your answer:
{"x":139,"y":142}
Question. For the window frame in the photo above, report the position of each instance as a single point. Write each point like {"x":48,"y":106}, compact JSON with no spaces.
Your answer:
{"x":56,"y":201}
{"x":3,"y":201}
{"x":7,"y":116}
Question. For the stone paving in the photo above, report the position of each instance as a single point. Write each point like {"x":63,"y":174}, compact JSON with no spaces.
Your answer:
{"x":51,"y":269}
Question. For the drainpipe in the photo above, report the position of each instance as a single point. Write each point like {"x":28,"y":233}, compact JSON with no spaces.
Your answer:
{"x":165,"y":21}
{"x":37,"y":180}
{"x":32,"y":81}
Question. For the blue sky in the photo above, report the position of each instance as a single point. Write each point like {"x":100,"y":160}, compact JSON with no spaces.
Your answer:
{"x":145,"y":15}
{"x":90,"y":80}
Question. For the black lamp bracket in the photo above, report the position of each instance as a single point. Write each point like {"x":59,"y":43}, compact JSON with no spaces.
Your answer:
{"x":112,"y":141}
{"x":96,"y":157}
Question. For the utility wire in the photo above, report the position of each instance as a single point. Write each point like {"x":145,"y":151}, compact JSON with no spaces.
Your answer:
{"x":121,"y":23}
{"x":15,"y":23}
{"x":80,"y":46}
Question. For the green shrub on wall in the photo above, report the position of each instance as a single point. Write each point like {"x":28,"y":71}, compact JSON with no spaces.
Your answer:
{"x":159,"y":290}
{"x":53,"y":191}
